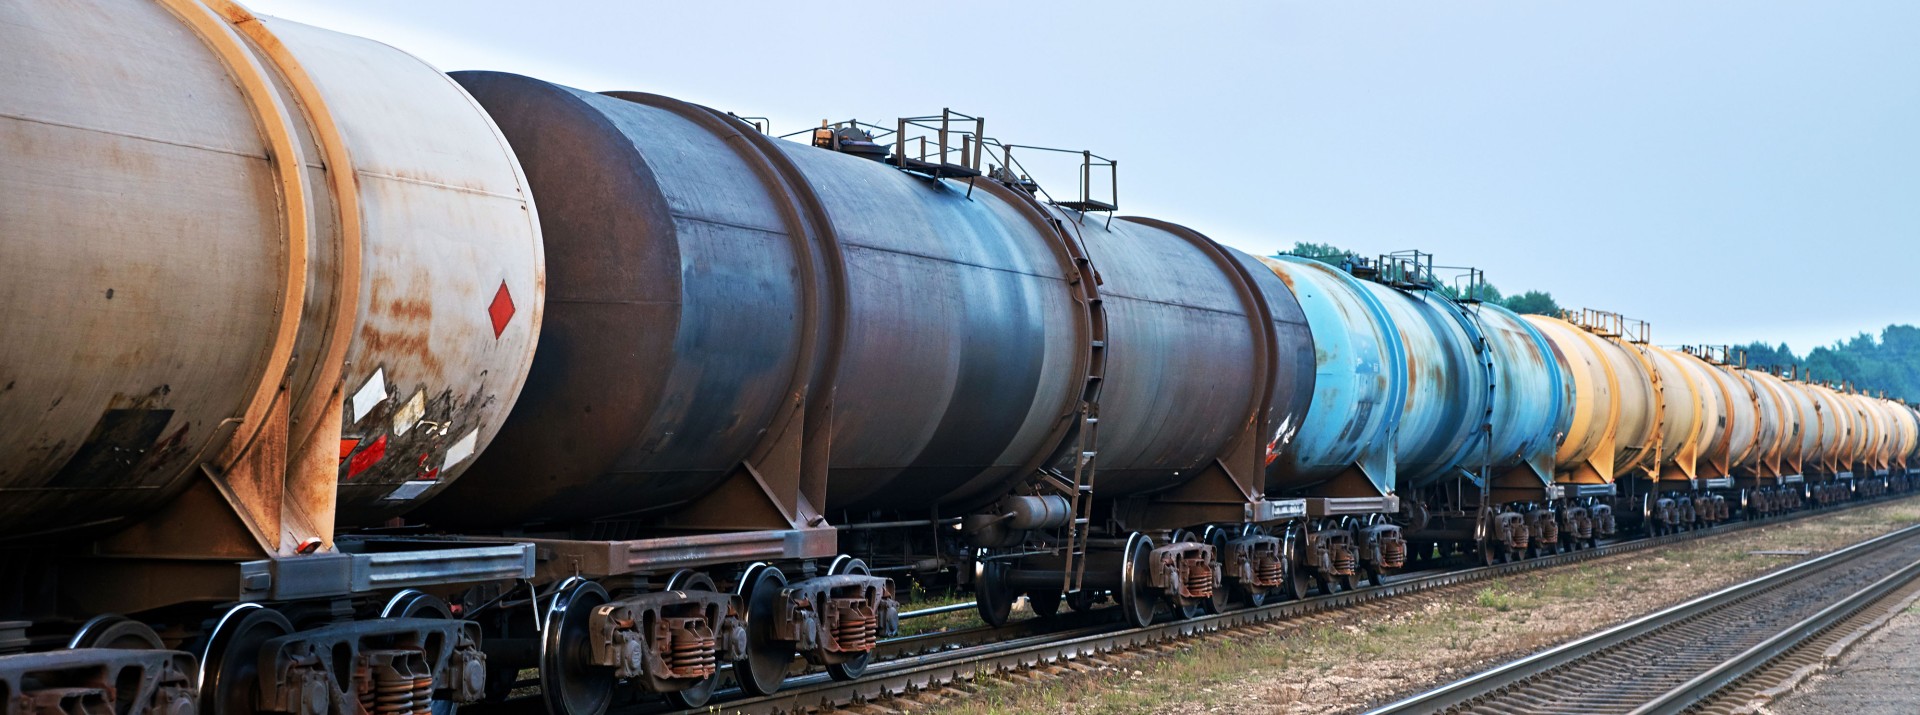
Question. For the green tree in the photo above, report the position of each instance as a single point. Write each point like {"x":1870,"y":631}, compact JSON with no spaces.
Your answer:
{"x":1890,"y":364}
{"x":1534,"y":302}
{"x":1322,"y":252}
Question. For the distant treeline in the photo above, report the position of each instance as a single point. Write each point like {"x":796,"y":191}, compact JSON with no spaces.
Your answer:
{"x":1890,"y":364}
{"x":1537,"y":302}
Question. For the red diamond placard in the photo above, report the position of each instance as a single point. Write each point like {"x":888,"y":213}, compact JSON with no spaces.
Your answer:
{"x":501,"y":310}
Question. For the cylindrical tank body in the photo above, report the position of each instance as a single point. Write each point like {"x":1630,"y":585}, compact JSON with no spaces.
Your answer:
{"x":1614,"y":414}
{"x":200,"y":207}
{"x":1836,"y":435}
{"x":1874,"y":431}
{"x":1589,"y":407}
{"x":1906,"y":434}
{"x":1359,"y":389}
{"x":1772,"y":426}
{"x":1447,"y":397}
{"x":1912,"y":419}
{"x":1188,"y":362}
{"x":1808,"y":445}
{"x":1735,"y":419}
{"x":697,"y":298}
{"x":1684,"y":413}
{"x":1530,"y":392}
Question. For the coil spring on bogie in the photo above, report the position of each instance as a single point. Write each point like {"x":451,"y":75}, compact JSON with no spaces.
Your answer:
{"x":363,"y":685}
{"x":691,"y":654}
{"x":392,"y":695}
{"x":423,"y":695}
{"x":1197,"y":579}
{"x":858,"y":630}
{"x":1549,"y":530}
{"x":1344,"y":560}
{"x":1268,"y":571}
{"x":1393,"y":552}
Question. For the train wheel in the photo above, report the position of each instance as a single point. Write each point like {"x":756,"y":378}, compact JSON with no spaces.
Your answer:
{"x":767,"y":659}
{"x":1044,"y":602}
{"x":1346,"y":582}
{"x":1324,"y":584}
{"x":1253,"y":596}
{"x":1374,"y":578}
{"x":856,"y":666}
{"x":700,"y":693}
{"x":1137,"y":597}
{"x":116,"y":632}
{"x":1299,"y":584}
{"x":1217,"y":538}
{"x":992,"y":595}
{"x":230,"y":661}
{"x":569,"y":681}
{"x":1489,"y":552}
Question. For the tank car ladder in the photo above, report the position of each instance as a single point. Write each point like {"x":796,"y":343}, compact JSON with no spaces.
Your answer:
{"x":1080,"y":529}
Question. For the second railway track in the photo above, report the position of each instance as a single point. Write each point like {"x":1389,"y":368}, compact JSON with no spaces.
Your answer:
{"x":1674,"y":660}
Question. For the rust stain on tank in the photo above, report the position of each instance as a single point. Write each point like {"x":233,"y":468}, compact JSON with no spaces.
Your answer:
{"x":409,"y":308}
{"x":411,"y":344}
{"x":407,"y":334}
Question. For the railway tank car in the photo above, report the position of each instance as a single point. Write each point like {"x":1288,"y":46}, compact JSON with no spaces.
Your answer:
{"x":329,"y":375}
{"x":1449,"y":408}
{"x":953,"y":346}
{"x":264,"y":284}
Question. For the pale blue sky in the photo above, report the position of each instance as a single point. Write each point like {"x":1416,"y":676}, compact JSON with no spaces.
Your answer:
{"x":1728,"y":171}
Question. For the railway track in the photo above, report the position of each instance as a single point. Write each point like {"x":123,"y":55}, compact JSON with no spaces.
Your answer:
{"x":1679,"y":659}
{"x":910,"y":666}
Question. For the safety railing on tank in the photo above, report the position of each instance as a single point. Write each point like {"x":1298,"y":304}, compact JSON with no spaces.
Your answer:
{"x":1415,"y":270}
{"x":942,"y":145}
{"x":1718,"y":354}
{"x":1011,"y":172}
{"x":1609,"y":324}
{"x":762,"y":125}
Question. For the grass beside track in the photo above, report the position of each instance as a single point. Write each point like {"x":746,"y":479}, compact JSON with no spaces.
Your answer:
{"x":1342,"y":664}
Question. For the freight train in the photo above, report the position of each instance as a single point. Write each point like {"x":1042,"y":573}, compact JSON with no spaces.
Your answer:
{"x":331,"y":383}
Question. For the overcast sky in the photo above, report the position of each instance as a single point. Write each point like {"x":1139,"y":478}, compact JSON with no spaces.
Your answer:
{"x":1728,"y":171}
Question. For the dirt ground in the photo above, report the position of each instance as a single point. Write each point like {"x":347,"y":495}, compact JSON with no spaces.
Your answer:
{"x":1346,"y":663}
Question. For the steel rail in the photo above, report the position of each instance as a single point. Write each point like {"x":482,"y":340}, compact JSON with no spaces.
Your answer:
{"x":1706,"y":685}
{"x":934,"y":666}
{"x":1466,"y":690}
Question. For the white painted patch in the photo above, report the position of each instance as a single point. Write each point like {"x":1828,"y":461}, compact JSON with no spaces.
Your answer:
{"x":370,"y":395}
{"x":410,"y":490}
{"x":410,"y":413}
{"x":461,"y":450}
